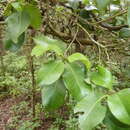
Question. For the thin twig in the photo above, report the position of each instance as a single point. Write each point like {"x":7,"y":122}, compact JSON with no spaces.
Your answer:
{"x":99,"y":58}
{"x":108,"y":58}
{"x":97,"y":43}
{"x":72,"y":41}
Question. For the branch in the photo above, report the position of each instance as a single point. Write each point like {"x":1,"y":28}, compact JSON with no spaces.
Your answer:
{"x":113,"y":28}
{"x":108,"y":26}
{"x":65,"y":37}
{"x":110,"y":18}
{"x":97,"y":43}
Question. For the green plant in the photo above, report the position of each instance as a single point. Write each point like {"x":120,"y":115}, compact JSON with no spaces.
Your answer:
{"x":21,"y":108}
{"x":22,"y":117}
{"x":91,"y":88}
{"x":12,"y":124}
{"x":15,"y":82}
{"x":64,"y":75}
{"x":28,"y":125}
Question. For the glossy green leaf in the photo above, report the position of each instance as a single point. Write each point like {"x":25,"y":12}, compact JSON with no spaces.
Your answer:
{"x":74,"y":81}
{"x":53,"y":96}
{"x":92,"y":112}
{"x":113,"y":124}
{"x":10,"y":45}
{"x":17,"y":24}
{"x":102,"y":4}
{"x":38,"y":50}
{"x":35,"y":15}
{"x":48,"y":44}
{"x":124,"y":33}
{"x":119,"y":105}
{"x":102,"y":78}
{"x":50,"y":72}
{"x":80,"y":57}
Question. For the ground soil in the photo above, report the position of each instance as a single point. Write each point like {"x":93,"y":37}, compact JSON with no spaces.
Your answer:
{"x":6,"y":114}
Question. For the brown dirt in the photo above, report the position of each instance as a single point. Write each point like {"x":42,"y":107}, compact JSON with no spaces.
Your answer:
{"x":6,"y":114}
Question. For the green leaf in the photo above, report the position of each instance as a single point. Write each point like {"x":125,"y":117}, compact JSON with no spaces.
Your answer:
{"x":113,"y":124}
{"x":85,"y":1}
{"x":124,"y":33}
{"x":50,"y":72}
{"x":116,"y":2}
{"x":35,"y":15}
{"x":48,"y":44}
{"x":92,"y":112}
{"x":53,"y":96}
{"x":10,"y":45}
{"x":17,"y":6}
{"x":74,"y":3}
{"x":102,"y":4}
{"x":84,"y":14}
{"x":102,"y":78}
{"x":128,"y":16}
{"x":80,"y":57}
{"x":17,"y":24}
{"x":38,"y":50}
{"x":74,"y":81}
{"x":119,"y":105}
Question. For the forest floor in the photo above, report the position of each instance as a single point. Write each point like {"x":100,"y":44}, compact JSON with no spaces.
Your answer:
{"x":7,"y":114}
{"x":10,"y":108}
